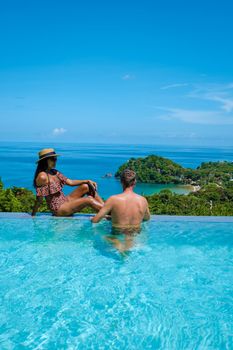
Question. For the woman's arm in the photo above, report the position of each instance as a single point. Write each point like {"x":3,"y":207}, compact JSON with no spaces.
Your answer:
{"x":70,"y":182}
{"x":37,"y":204}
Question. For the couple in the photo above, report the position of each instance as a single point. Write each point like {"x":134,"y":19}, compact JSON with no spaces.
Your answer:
{"x":127,"y":210}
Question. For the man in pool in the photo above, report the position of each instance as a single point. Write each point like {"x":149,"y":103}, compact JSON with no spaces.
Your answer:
{"x":127,"y":209}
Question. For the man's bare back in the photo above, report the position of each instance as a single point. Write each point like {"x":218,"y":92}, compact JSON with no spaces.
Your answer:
{"x":127,"y":209}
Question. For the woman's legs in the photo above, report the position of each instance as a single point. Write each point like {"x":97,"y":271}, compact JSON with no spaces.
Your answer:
{"x":75,"y":205}
{"x":77,"y":201}
{"x":98,"y":198}
{"x":81,"y":191}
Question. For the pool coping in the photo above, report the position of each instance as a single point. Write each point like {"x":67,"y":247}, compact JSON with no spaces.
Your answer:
{"x":161,"y":218}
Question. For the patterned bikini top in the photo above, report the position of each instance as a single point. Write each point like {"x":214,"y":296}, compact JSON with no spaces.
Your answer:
{"x":52,"y":187}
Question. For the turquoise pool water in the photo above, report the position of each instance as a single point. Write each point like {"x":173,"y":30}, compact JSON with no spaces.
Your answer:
{"x":64,"y":286}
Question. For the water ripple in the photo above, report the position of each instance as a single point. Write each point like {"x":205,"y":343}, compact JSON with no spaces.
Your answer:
{"x":63,"y":286}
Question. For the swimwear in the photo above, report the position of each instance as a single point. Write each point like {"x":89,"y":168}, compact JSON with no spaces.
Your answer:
{"x":52,"y":192}
{"x":130,"y":230}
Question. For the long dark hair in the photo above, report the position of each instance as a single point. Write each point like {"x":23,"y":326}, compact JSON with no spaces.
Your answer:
{"x":42,"y":166}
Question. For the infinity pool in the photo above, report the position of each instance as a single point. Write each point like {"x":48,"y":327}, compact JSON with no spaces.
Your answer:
{"x":63,"y":285}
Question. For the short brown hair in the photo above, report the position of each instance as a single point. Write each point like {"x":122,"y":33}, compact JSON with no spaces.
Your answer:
{"x":128,"y":177}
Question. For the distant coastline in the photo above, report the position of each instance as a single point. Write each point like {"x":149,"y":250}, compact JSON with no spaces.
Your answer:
{"x":190,"y":188}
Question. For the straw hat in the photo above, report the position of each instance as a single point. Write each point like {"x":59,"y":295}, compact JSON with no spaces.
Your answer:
{"x":47,"y":153}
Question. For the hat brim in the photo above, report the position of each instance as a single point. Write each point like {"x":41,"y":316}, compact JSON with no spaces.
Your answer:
{"x":48,"y":156}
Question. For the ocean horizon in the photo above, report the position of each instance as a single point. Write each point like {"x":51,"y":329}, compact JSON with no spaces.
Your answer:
{"x":94,"y":161}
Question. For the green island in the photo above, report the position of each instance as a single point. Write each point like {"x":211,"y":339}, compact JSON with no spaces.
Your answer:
{"x":155,"y":169}
{"x":211,"y":184}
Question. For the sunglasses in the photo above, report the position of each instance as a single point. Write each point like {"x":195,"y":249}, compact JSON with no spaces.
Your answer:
{"x":54,"y":159}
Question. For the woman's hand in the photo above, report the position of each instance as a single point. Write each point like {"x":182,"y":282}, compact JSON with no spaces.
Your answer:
{"x":93,"y":183}
{"x":37,"y":204}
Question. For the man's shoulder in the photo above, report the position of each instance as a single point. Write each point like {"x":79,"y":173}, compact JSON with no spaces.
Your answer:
{"x":114,"y":197}
{"x":141,"y":198}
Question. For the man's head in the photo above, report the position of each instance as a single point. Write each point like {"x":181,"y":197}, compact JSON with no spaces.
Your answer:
{"x":128,"y":178}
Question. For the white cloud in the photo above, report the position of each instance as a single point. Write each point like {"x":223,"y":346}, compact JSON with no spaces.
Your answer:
{"x":171,"y":86}
{"x":217,"y":93}
{"x":127,"y":77}
{"x":204,"y":117}
{"x":218,"y":113}
{"x":226,"y":103}
{"x":58,"y":131}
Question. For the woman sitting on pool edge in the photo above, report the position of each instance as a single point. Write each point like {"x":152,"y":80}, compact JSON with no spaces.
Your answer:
{"x":49,"y":182}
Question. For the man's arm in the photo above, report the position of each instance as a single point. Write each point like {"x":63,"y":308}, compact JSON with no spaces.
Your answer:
{"x":103,"y":211}
{"x":147,"y":213}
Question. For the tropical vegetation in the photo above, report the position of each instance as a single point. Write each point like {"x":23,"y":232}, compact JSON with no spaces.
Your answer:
{"x":210,"y":200}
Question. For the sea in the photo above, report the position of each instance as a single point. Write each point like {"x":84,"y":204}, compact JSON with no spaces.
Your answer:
{"x":94,"y":161}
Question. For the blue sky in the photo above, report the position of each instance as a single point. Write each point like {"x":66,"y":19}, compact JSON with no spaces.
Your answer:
{"x":117,"y":71}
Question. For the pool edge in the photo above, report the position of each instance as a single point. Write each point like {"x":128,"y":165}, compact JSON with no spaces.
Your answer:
{"x":162,"y":218}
